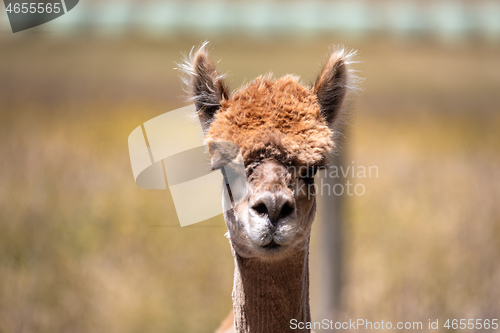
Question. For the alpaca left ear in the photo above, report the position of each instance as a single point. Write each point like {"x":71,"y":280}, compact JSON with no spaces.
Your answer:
{"x":332,"y":84}
{"x":205,"y":86}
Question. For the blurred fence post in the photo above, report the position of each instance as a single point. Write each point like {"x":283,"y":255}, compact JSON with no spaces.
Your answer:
{"x":331,"y":243}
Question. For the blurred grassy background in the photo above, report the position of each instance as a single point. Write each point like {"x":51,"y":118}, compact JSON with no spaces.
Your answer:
{"x":83,"y":249}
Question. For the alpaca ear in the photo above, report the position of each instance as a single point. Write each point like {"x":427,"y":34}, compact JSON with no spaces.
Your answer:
{"x":205,"y":86}
{"x":331,"y":85}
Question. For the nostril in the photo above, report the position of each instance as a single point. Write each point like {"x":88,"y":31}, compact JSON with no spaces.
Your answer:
{"x":273,"y":206}
{"x":261,"y":209}
{"x":286,"y":211}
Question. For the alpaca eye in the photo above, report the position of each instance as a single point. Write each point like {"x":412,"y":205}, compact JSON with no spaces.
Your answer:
{"x":308,"y":176}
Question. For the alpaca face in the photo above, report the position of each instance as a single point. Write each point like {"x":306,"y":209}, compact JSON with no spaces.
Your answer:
{"x":284,"y":133}
{"x":276,"y":214}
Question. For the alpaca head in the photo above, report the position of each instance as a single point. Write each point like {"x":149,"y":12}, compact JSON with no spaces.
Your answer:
{"x":285,"y":133}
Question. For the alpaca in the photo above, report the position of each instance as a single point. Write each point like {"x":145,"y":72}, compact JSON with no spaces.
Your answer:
{"x":285,"y":132}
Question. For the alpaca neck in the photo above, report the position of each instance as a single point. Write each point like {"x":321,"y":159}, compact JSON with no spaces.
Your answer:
{"x":267,"y":295}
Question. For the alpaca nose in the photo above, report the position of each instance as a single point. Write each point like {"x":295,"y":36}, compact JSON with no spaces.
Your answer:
{"x":275,"y":206}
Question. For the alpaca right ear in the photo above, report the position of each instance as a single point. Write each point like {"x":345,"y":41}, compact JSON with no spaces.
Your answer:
{"x":205,"y":86}
{"x":332,"y":84}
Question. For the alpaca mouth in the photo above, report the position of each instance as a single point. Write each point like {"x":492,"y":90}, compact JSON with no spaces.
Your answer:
{"x":272,"y":245}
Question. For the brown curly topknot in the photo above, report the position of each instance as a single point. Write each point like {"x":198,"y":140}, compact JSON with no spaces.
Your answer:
{"x":274,"y":118}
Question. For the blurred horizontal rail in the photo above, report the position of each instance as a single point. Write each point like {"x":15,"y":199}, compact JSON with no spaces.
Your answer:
{"x":445,"y":19}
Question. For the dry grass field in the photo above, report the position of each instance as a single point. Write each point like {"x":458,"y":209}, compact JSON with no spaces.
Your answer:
{"x":83,"y":249}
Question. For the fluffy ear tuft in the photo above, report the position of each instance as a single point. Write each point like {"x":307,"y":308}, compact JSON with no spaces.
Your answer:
{"x":333,"y":82}
{"x":204,"y":85}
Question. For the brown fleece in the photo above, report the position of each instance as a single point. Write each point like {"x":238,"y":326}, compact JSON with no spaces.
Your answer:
{"x":274,"y":118}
